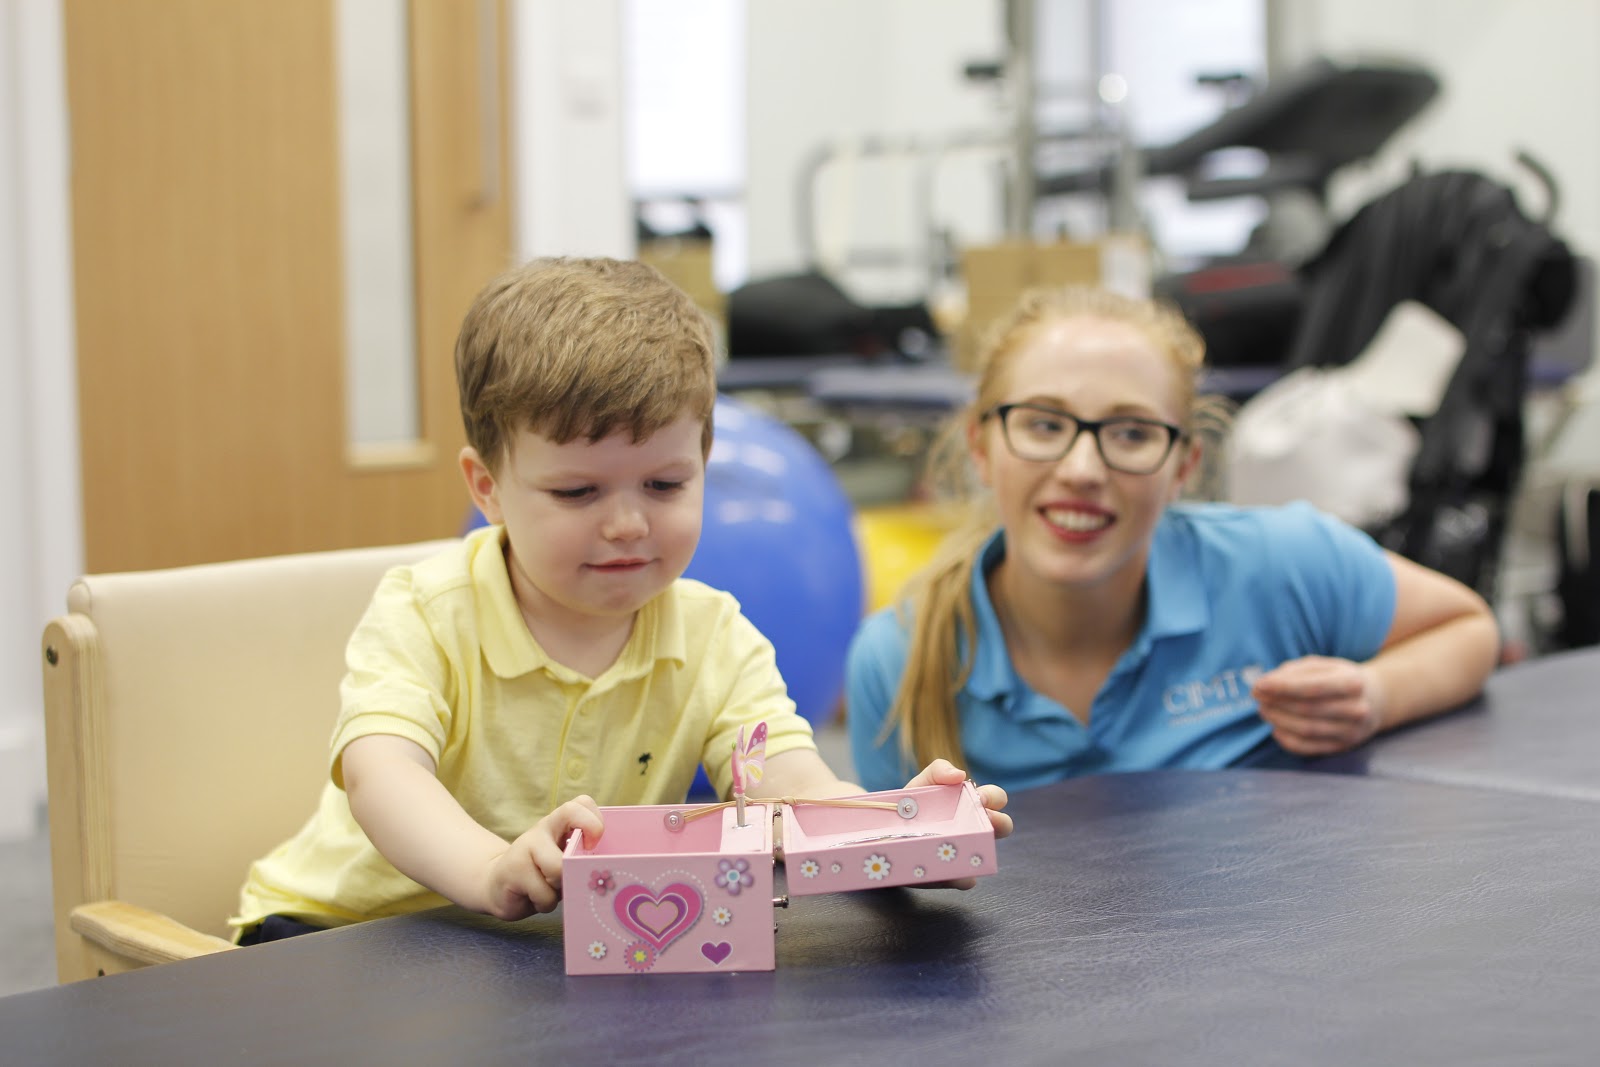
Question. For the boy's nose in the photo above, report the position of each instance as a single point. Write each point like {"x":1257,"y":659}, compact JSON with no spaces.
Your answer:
{"x":625,"y":523}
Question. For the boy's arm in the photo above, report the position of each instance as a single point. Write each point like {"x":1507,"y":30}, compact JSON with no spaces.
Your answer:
{"x":424,"y":832}
{"x":801,"y":772}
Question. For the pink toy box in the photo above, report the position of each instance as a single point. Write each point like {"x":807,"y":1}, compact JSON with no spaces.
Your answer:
{"x":679,"y":889}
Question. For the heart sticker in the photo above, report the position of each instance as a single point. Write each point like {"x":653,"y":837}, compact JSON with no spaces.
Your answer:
{"x":716,"y":953}
{"x":659,"y":918}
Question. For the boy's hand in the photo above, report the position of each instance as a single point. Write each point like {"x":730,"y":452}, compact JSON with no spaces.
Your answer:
{"x":943,"y":772}
{"x":526,"y":878}
{"x":1318,"y":705}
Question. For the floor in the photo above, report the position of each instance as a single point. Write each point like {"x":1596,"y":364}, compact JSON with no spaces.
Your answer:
{"x":27,"y":948}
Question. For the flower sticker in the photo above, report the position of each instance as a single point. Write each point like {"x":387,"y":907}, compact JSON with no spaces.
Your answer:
{"x":977,"y":860}
{"x":919,"y":871}
{"x":597,"y":950}
{"x":876,"y":867}
{"x":722,"y":916}
{"x":734,"y":875}
{"x":947,"y":852}
{"x":835,"y":868}
{"x":639,"y":956}
{"x":600,"y":883}
{"x":810,"y":868}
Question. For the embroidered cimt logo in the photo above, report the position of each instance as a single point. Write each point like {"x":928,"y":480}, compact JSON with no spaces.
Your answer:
{"x":1228,"y":692}
{"x":644,"y":763}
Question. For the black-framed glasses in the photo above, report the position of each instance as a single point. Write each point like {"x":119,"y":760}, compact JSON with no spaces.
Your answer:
{"x":1126,"y":443}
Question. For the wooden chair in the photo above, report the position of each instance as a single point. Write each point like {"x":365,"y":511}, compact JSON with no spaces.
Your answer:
{"x":188,"y":713}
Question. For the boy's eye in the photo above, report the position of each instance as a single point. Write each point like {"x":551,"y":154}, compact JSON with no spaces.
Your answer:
{"x":572,"y":494}
{"x":660,"y":485}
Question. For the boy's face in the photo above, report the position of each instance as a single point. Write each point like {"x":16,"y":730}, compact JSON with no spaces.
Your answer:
{"x":595,"y":529}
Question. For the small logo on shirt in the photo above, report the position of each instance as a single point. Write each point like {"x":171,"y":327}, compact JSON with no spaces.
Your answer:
{"x":1223,"y":694}
{"x":644,"y":763}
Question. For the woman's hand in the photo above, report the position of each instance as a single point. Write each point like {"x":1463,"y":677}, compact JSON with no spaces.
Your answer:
{"x":1318,"y":705}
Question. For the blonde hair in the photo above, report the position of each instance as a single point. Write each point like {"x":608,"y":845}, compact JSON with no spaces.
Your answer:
{"x":938,"y":599}
{"x":575,"y":348}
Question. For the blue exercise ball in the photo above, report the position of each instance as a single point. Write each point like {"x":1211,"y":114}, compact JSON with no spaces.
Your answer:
{"x":779,"y":535}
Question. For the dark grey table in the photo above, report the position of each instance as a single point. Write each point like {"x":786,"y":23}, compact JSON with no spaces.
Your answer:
{"x":1170,"y":917}
{"x":1535,"y":729}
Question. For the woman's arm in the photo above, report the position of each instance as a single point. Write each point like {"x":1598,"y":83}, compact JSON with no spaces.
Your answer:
{"x":1441,"y":646}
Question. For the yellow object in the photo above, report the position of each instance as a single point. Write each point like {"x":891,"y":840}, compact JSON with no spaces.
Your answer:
{"x":896,"y":541}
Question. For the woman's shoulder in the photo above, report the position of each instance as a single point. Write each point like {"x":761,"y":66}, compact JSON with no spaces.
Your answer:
{"x":1243,"y":527}
{"x":886,"y":626}
{"x":1258,"y":540}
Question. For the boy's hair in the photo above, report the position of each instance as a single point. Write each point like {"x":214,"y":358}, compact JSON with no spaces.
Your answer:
{"x":573,"y":348}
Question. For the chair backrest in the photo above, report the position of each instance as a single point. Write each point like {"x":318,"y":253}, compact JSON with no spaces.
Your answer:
{"x":188,"y":713}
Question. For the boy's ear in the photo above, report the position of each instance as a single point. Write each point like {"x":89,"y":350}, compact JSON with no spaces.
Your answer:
{"x":481,"y":484}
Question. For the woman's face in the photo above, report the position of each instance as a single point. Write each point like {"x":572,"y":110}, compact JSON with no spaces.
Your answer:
{"x":1075,"y":522}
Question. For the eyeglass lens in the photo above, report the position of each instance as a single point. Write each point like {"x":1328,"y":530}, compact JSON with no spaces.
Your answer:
{"x":1135,"y":446}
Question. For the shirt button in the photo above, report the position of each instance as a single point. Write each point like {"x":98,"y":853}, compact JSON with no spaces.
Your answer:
{"x":575,"y":767}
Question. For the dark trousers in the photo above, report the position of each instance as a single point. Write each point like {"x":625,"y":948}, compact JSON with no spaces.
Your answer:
{"x":276,"y":928}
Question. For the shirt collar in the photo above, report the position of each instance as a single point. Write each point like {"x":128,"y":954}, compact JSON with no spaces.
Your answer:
{"x":1174,"y":587}
{"x":511,"y":650}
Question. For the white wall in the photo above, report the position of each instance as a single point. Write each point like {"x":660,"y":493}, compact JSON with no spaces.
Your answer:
{"x":1515,"y":75}
{"x":569,"y":188}
{"x":824,"y":70}
{"x":41,"y":547}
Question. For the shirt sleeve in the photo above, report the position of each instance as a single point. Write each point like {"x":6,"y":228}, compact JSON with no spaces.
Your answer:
{"x":1341,"y":576}
{"x":397,"y":676}
{"x":873,"y":669}
{"x":757,"y":694}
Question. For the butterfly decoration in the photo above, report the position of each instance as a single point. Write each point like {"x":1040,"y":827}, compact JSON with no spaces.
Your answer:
{"x":749,"y":763}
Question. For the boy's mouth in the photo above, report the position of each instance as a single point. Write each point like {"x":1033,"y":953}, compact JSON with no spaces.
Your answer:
{"x":620,"y":565}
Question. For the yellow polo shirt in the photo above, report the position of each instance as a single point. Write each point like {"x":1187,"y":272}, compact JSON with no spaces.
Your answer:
{"x":444,"y":659}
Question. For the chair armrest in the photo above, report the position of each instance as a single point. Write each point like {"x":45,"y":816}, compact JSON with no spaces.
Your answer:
{"x":139,"y":934}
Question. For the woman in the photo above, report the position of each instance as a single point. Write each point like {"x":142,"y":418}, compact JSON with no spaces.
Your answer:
{"x":1083,"y":620}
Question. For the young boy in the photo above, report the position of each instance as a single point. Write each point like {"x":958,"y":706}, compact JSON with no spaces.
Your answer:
{"x":555,"y":655}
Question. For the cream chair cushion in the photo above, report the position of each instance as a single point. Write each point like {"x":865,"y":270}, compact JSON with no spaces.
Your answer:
{"x":189,"y":712}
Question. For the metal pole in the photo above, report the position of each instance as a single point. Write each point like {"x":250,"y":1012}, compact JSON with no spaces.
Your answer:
{"x":1020,"y":81}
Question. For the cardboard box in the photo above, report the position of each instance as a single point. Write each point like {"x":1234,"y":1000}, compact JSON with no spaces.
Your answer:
{"x":996,"y":275}
{"x":687,"y":263}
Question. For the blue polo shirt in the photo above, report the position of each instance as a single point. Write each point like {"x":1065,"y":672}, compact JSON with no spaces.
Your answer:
{"x":1232,"y":593}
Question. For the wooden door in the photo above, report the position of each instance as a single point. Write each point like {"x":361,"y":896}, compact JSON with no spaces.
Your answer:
{"x":208,"y":287}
